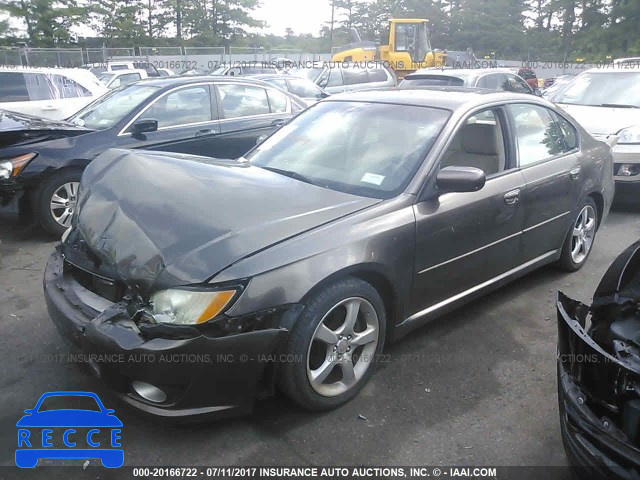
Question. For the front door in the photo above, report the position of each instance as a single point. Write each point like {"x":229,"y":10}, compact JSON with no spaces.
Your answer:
{"x":464,"y":240}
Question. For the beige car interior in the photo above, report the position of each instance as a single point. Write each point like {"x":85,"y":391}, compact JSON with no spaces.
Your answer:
{"x":478,"y":143}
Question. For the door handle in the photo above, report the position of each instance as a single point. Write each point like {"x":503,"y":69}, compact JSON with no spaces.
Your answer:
{"x":278,"y":123}
{"x":575,"y":173}
{"x":512,"y":197}
{"x":201,"y":133}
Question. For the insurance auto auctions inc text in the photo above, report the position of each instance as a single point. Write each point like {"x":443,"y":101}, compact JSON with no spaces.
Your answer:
{"x":368,"y":472}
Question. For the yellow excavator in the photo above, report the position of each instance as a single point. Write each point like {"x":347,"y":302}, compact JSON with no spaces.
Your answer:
{"x":408,"y":49}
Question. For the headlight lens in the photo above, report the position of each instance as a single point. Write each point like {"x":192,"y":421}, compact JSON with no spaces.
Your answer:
{"x":629,"y":135}
{"x":190,"y":307}
{"x":5,"y":170}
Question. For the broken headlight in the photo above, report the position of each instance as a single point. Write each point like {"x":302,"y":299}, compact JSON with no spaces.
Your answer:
{"x":191,"y":306}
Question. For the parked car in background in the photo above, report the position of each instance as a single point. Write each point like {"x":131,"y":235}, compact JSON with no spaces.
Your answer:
{"x":528,"y":75}
{"x":53,"y":93}
{"x":119,"y":78}
{"x":353,"y":77}
{"x":237,"y":69}
{"x":606,"y":101}
{"x":366,"y":216}
{"x":556,"y":84}
{"x":303,"y":88}
{"x":113,"y":66}
{"x":493,"y":79}
{"x":165,"y":72}
{"x":41,"y":162}
{"x":599,"y":373}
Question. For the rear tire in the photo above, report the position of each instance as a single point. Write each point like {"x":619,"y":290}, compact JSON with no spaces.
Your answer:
{"x":580,"y":237}
{"x":56,"y":201}
{"x":334,"y":345}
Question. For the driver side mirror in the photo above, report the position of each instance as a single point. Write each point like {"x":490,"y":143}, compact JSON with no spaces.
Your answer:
{"x":144,"y":126}
{"x":460,"y":179}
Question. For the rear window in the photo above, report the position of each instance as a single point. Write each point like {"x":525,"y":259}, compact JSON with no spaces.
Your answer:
{"x":13,"y":87}
{"x":355,"y":76}
{"x":377,"y":75}
{"x":432,"y":81}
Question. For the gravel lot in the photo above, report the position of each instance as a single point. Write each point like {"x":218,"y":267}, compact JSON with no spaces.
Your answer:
{"x":476,"y":387}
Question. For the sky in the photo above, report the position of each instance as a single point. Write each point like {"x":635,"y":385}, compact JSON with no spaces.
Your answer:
{"x":303,"y":16}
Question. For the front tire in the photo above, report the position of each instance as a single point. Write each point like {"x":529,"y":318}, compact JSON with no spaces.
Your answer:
{"x":580,"y":238}
{"x":57,"y":201}
{"x":334,"y":345}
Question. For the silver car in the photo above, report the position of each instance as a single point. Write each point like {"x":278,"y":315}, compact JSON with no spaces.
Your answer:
{"x":606,"y":101}
{"x":355,"y":76}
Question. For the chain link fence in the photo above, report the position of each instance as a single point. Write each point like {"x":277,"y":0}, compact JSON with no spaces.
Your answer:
{"x":10,"y":56}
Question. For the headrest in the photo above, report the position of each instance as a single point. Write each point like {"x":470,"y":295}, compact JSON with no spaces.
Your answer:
{"x":479,"y":139}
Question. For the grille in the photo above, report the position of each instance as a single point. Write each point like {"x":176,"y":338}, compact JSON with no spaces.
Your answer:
{"x":104,"y":287}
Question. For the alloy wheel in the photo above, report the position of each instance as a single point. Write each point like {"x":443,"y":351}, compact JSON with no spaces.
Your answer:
{"x":343,"y":347}
{"x":63,"y":203}
{"x":584,"y":231}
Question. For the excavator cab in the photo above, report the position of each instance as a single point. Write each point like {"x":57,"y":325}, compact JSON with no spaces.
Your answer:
{"x":412,"y":38}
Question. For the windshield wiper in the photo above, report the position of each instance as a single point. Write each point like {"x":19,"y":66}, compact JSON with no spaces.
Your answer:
{"x":292,"y":174}
{"x":617,"y":105}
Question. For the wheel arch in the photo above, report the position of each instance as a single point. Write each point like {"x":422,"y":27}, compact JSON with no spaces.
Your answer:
{"x":599,"y":201}
{"x":375,"y":275}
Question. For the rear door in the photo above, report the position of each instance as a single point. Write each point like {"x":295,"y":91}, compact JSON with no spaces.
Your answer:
{"x":187,"y":121}
{"x":464,"y":240}
{"x":247,"y":112}
{"x":550,"y":166}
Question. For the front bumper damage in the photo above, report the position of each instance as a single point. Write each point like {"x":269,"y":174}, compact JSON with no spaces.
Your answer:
{"x":11,"y":196}
{"x":599,"y":374}
{"x":198,"y":375}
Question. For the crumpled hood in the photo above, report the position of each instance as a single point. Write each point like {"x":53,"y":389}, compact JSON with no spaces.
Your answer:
{"x":164,"y":219}
{"x":20,"y":129}
{"x":603,"y":120}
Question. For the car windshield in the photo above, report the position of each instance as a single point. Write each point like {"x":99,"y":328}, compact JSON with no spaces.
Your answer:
{"x":367,"y":149}
{"x":602,"y":89}
{"x":308,"y":73}
{"x":106,"y":77}
{"x":68,"y":402}
{"x":113,"y":107}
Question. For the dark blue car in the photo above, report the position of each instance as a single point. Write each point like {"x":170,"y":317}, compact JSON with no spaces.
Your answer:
{"x":84,"y":433}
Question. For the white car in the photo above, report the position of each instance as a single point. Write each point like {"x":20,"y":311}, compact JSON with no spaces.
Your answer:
{"x":54,"y":93}
{"x":118,"y":78}
{"x":606,"y":101}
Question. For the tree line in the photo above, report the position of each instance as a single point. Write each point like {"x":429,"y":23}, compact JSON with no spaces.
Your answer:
{"x":519,"y":29}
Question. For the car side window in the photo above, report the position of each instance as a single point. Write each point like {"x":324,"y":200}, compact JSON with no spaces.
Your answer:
{"x":478,"y":143}
{"x":280,"y":83}
{"x":243,"y":100}
{"x":303,"y":89}
{"x":335,"y":78}
{"x":278,"y":101}
{"x":538,"y":136}
{"x":180,"y":107}
{"x":13,"y":87}
{"x":516,"y":84}
{"x":377,"y":75}
{"x":569,"y":132}
{"x":128,"y":78}
{"x":355,"y":76}
{"x":491,"y":81}
{"x":38,"y":87}
{"x":64,"y":87}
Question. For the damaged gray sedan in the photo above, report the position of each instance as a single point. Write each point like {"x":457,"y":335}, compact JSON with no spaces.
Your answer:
{"x":200,"y":284}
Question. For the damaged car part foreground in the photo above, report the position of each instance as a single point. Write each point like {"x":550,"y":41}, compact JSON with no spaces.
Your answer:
{"x":599,"y":373}
{"x":210,"y":282}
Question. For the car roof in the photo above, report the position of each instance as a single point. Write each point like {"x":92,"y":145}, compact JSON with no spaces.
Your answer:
{"x":186,"y":80}
{"x":611,"y":69}
{"x":127,"y":71}
{"x":450,"y":98}
{"x":455,"y":72}
{"x":80,"y":75}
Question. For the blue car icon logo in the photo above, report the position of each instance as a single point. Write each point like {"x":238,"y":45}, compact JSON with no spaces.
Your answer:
{"x":52,"y":430}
